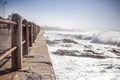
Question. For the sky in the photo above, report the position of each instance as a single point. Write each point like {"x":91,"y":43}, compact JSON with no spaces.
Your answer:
{"x":73,"y":14}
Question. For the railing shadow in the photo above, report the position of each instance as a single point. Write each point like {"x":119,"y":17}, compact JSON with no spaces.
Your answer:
{"x":7,"y":71}
{"x":3,"y":62}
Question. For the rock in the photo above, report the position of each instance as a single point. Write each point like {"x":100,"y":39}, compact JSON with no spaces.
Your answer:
{"x":51,"y":42}
{"x":66,"y":45}
{"x":88,"y":46}
{"x":69,"y":41}
{"x":57,"y":40}
{"x":110,"y":66}
{"x":118,"y":68}
{"x":78,"y":36}
{"x":93,"y":52}
{"x":103,"y":71}
{"x":97,"y":49}
{"x":116,"y":51}
{"x":76,"y":53}
{"x":66,"y":52}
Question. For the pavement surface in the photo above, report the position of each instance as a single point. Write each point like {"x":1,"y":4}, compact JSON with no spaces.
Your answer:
{"x":37,"y":64}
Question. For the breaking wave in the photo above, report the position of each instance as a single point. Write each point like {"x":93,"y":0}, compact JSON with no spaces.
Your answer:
{"x":101,"y":37}
{"x":108,"y":37}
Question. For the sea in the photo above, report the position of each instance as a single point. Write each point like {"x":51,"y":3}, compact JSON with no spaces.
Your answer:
{"x":85,"y":54}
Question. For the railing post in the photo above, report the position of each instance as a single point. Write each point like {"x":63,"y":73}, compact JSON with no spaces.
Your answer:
{"x":37,"y":29}
{"x":30,"y":34}
{"x":26,"y":37}
{"x":34,"y":32}
{"x":16,"y":36}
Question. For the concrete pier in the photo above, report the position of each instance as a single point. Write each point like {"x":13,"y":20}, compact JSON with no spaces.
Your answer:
{"x":37,"y":64}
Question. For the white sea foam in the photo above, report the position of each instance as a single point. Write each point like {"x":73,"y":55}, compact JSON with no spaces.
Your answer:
{"x":86,"y":68}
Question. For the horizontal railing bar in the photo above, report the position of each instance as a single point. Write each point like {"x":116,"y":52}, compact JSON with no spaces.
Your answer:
{"x":7,"y":22}
{"x":23,"y":25}
{"x":7,"y":53}
{"x":23,"y":42}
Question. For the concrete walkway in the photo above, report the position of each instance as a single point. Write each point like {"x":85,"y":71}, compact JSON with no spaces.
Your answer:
{"x":36,"y":66}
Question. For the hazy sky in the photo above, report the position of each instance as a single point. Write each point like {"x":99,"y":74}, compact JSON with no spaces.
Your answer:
{"x":67,"y":13}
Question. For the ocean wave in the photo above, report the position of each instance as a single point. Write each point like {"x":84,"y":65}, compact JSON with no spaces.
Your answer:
{"x":101,"y":37}
{"x":111,"y":38}
{"x":106,"y":38}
